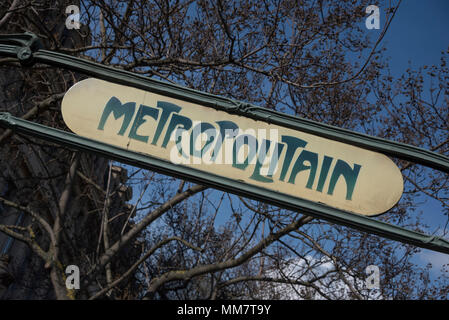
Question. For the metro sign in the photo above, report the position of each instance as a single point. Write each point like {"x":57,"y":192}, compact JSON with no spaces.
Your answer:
{"x":240,"y":148}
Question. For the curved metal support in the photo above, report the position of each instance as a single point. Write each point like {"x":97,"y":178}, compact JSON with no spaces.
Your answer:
{"x":317,"y":210}
{"x":25,"y":45}
{"x":11,"y":45}
{"x":391,"y":148}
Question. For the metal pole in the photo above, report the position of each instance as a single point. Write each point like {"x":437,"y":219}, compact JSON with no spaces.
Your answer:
{"x":313,"y":209}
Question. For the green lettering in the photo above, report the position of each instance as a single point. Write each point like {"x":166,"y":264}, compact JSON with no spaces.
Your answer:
{"x":292,"y":144}
{"x":261,"y":159}
{"x":139,"y":120}
{"x":176,"y":121}
{"x":167,"y":109}
{"x":350,"y":175}
{"x":299,"y":166}
{"x":227,"y":129}
{"x":239,"y":142}
{"x":202,"y":127}
{"x":324,"y":171}
{"x":118,"y":109}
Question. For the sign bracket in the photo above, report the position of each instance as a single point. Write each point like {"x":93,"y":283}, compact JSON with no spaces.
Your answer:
{"x":27,"y":49}
{"x":307,"y":207}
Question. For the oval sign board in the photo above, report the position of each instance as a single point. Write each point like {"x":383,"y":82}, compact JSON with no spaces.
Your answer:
{"x":240,"y":148}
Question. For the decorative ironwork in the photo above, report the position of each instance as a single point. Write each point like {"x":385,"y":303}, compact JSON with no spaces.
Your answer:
{"x":26,"y":48}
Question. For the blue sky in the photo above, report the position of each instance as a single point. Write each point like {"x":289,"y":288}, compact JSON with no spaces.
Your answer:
{"x":416,"y":37}
{"x":418,"y":34}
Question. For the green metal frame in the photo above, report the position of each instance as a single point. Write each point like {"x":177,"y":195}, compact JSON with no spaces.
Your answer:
{"x":27,"y":49}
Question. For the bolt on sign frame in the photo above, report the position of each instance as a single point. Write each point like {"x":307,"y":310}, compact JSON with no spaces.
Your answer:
{"x":28,"y":50}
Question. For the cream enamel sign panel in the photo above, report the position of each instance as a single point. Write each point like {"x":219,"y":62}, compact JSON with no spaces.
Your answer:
{"x":240,"y":148}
